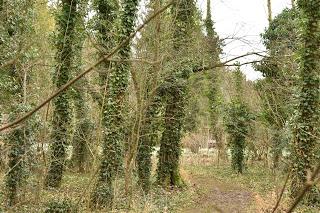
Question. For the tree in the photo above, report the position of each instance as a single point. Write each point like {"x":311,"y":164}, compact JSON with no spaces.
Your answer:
{"x":153,"y":42}
{"x":214,"y":51}
{"x":16,"y":26}
{"x":79,"y":95}
{"x":174,"y":91}
{"x":279,"y":69}
{"x":64,"y":43}
{"x":306,"y":127}
{"x":269,"y":11}
{"x":113,"y":117}
{"x":237,"y":122}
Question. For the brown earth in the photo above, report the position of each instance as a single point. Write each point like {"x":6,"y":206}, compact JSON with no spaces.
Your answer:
{"x":215,"y":196}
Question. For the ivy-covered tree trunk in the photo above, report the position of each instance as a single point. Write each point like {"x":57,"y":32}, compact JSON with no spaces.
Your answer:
{"x":82,"y":130}
{"x":15,"y":165}
{"x":237,"y":122}
{"x":170,"y":146}
{"x":146,"y":146}
{"x":212,"y":37}
{"x":64,"y":41}
{"x":276,"y":89}
{"x":82,"y":122}
{"x":148,"y":134}
{"x":107,"y":12}
{"x":306,"y":129}
{"x":213,"y":58}
{"x":113,"y":117}
{"x":213,"y":52}
{"x":276,"y":148}
{"x":16,"y":24}
{"x":168,"y":174}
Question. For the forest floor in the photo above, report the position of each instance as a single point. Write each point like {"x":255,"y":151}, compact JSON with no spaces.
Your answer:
{"x":210,"y":188}
{"x":217,"y":196}
{"x":219,"y":189}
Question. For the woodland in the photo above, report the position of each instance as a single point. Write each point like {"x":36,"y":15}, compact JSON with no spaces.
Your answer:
{"x":128,"y":106}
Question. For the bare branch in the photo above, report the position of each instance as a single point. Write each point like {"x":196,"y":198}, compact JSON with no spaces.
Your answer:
{"x":8,"y":63}
{"x":137,"y":60}
{"x":223,"y":64}
{"x":282,"y":192}
{"x":71,"y":82}
{"x":307,"y":186}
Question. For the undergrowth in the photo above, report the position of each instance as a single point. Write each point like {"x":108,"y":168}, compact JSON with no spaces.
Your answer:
{"x":257,"y":179}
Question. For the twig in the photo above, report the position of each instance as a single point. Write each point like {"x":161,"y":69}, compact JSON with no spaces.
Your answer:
{"x":282,"y":192}
{"x":8,"y":63}
{"x":241,"y":64}
{"x":71,"y":82}
{"x":138,"y":60}
{"x":222,"y":64}
{"x":14,"y":60}
{"x":307,"y":186}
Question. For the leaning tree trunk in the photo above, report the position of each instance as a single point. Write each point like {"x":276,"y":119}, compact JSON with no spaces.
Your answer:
{"x":306,"y":130}
{"x":65,"y":39}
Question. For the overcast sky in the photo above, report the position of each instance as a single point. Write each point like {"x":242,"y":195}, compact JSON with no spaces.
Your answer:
{"x":245,"y":19}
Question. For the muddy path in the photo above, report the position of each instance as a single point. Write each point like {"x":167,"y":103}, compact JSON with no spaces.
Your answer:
{"x":216,"y":196}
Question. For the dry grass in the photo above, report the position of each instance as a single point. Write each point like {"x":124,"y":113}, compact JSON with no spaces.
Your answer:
{"x":210,"y":187}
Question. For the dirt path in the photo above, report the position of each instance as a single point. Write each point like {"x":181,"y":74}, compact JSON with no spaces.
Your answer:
{"x":215,"y":196}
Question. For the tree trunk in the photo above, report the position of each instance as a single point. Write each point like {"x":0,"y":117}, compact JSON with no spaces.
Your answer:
{"x":306,"y":130}
{"x":113,"y":113}
{"x":19,"y":138}
{"x":152,"y":102}
{"x":269,"y":11}
{"x":61,"y":113}
{"x":168,"y":174}
{"x":170,"y":148}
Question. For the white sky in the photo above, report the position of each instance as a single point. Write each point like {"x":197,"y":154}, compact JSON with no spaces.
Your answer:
{"x":244,"y":19}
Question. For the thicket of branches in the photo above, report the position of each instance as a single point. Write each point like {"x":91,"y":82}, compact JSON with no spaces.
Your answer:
{"x":124,"y":79}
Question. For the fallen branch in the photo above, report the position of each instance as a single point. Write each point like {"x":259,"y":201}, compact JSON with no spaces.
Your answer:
{"x":71,"y":82}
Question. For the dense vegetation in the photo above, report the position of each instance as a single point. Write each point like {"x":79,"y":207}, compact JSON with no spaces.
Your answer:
{"x":142,"y":109}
